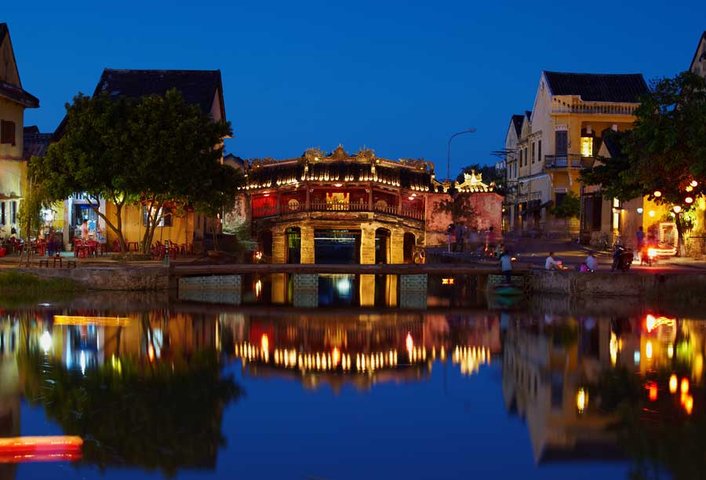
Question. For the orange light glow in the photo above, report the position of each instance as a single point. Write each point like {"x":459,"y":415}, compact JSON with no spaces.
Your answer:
{"x":40,"y":449}
{"x":673,"y":383}
{"x":335,"y":356}
{"x":447,"y":281}
{"x":265,"y":343}
{"x":651,"y":391}
{"x":684,"y":386}
{"x":409,"y":342}
{"x":75,"y":320}
{"x":150,"y":352}
{"x":688,"y":403}
{"x":652,"y":322}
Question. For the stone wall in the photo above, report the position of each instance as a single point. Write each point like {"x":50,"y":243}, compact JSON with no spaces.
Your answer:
{"x":614,"y":284}
{"x":104,"y":278}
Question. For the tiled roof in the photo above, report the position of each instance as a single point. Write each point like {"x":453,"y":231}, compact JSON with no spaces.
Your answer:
{"x":198,"y":87}
{"x":598,"y":87}
{"x":693,"y":60}
{"x":517,"y":123}
{"x":35,"y":143}
{"x":18,"y":95}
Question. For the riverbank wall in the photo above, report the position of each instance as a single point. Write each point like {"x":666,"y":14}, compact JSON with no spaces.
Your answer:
{"x":617,"y":284}
{"x":126,"y":278}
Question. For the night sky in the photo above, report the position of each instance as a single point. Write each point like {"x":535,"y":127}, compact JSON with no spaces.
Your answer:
{"x":396,"y":76}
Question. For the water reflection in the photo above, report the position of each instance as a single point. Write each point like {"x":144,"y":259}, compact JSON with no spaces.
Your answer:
{"x":417,"y":291}
{"x":362,"y":349}
{"x":141,"y":389}
{"x":148,"y":389}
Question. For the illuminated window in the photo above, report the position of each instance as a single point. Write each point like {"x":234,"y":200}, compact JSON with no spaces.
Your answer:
{"x":586,"y":146}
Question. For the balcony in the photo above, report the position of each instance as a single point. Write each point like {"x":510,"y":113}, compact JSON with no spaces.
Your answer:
{"x":379,"y":207}
{"x":568,"y":161}
{"x":595,"y":108}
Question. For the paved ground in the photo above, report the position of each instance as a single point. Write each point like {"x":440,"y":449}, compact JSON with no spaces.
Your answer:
{"x":526,"y":250}
{"x":535,"y":251}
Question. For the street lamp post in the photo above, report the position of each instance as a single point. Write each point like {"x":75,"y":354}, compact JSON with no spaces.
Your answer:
{"x":448,"y":151}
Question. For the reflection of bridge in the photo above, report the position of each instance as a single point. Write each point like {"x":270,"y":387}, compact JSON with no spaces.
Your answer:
{"x":360,"y":349}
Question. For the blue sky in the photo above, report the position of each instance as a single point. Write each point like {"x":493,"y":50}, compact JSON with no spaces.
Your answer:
{"x":396,"y":76}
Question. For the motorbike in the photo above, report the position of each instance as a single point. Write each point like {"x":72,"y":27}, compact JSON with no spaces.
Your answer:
{"x":648,"y":256}
{"x":622,"y":259}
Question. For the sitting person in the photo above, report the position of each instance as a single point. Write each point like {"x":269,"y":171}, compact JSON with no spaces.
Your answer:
{"x":591,"y":262}
{"x":551,"y":263}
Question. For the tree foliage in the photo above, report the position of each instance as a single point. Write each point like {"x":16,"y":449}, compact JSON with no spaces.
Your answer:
{"x":665,"y":151}
{"x":157,"y":152}
{"x":569,"y":207}
{"x":459,"y":206}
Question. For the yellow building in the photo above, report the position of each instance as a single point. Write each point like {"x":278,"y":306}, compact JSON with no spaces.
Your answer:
{"x":13,"y":167}
{"x":203,"y":88}
{"x":559,"y":137}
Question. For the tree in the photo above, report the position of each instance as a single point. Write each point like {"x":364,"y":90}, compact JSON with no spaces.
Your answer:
{"x":667,"y":146}
{"x":459,"y":206}
{"x":156,"y":152}
{"x":569,"y":207}
{"x":664,"y":155}
{"x":613,"y":174}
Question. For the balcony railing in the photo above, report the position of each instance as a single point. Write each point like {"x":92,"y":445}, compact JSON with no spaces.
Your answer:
{"x":569,"y":161}
{"x":595,"y":108}
{"x":275,"y":210}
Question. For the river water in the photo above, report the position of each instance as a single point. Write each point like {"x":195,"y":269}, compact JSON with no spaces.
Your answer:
{"x":464,"y":388}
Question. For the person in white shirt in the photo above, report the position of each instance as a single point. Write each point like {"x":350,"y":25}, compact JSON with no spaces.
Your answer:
{"x":591,"y":262}
{"x":551,"y":264}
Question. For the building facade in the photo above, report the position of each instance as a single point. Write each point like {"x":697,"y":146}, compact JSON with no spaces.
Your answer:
{"x":13,"y":167}
{"x":698,"y":62}
{"x":339,"y":208}
{"x":198,"y":87}
{"x":559,"y":137}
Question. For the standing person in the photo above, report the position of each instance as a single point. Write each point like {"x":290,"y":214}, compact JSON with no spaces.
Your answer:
{"x":506,"y":265}
{"x":84,"y":230}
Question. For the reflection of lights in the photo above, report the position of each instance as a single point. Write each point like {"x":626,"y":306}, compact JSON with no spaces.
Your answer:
{"x":98,"y":321}
{"x":45,"y":342}
{"x":33,"y":449}
{"x":343,"y":285}
{"x":636,"y":357}
{"x":689,"y":188}
{"x":651,"y":391}
{"x":116,"y":364}
{"x":657,"y":193}
{"x":673,"y":383}
{"x":688,"y":402}
{"x":652,"y":322}
{"x":648,"y":349}
{"x":82,"y":362}
{"x":335,"y":356}
{"x":652,"y":252}
{"x":581,"y":400}
{"x":409,"y":342}
{"x":613,"y":347}
{"x":257,"y":255}
{"x":670,"y":351}
{"x":470,"y":358}
{"x":684,"y":386}
{"x":676,"y":208}
{"x":447,"y":281}
{"x":150,"y":352}
{"x":258,"y":288}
